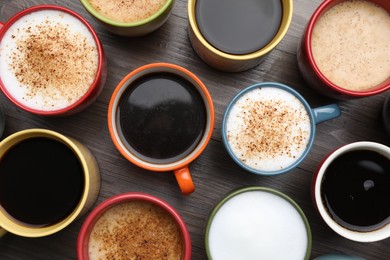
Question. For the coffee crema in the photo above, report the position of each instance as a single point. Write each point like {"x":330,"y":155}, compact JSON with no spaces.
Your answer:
{"x":161,"y":117}
{"x":127,"y":11}
{"x":48,"y":60}
{"x":41,"y":181}
{"x":257,"y":225}
{"x":356,"y":190}
{"x":238,"y":27}
{"x":135,"y":230}
{"x":350,"y":44}
{"x":268,"y":129}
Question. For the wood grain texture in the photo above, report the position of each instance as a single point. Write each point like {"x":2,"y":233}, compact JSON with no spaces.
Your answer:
{"x":214,"y":173}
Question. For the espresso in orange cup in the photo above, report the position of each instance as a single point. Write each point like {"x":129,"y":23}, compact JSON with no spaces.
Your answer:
{"x":161,"y":118}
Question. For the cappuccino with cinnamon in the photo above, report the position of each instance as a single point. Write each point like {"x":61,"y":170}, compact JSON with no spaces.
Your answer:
{"x":268,"y":129}
{"x":48,"y":60}
{"x":135,"y":230}
{"x":350,"y":44}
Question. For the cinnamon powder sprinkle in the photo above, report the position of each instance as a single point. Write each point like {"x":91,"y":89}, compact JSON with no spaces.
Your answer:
{"x":135,"y":230}
{"x":271,"y":129}
{"x":53,"y":62}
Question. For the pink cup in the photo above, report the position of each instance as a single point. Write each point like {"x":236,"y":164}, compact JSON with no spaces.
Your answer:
{"x":95,"y":81}
{"x":86,"y":229}
{"x":310,"y":70}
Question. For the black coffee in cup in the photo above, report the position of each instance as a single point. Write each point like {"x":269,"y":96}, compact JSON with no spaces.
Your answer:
{"x":356,"y":190}
{"x":161,"y":117}
{"x":41,"y":181}
{"x":239,"y":27}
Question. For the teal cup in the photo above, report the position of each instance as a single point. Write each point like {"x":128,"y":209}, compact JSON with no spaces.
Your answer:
{"x":269,"y":128}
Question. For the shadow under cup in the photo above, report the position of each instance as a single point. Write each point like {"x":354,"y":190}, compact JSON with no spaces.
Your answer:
{"x":47,"y":181}
{"x":161,"y":118}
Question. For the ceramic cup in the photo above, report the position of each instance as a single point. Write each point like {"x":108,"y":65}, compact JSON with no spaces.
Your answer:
{"x":386,"y":115}
{"x":107,"y":14}
{"x":350,"y":191}
{"x":269,"y":128}
{"x":39,"y":73}
{"x":133,"y":204}
{"x":227,"y":60}
{"x":36,"y":203}
{"x":257,"y":223}
{"x":161,"y":118}
{"x":329,"y":74}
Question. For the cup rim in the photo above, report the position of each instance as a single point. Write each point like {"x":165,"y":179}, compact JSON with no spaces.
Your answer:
{"x":323,"y":7}
{"x":242,"y":190}
{"x":99,"y":71}
{"x":282,"y":87}
{"x":125,"y":83}
{"x":370,"y":236}
{"x":284,"y":26}
{"x":95,"y":214}
{"x":87,"y":5}
{"x":29,"y":231}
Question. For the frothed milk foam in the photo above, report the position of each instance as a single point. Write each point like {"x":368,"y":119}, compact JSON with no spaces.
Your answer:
{"x":257,"y":225}
{"x":350,"y":45}
{"x":135,"y":230}
{"x":48,"y":60}
{"x":128,"y":10}
{"x":268,"y":129}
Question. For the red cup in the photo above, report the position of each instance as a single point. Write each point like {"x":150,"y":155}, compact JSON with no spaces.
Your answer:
{"x":311,"y":72}
{"x":85,"y":99}
{"x":86,"y":229}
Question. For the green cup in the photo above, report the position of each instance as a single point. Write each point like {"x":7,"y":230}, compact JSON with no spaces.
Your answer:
{"x":257,"y":223}
{"x":140,"y":27}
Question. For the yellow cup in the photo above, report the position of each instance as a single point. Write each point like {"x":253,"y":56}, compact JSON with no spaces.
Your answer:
{"x":89,"y":187}
{"x":233,"y":62}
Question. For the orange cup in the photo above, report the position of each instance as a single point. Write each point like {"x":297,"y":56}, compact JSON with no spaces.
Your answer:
{"x":161,"y":118}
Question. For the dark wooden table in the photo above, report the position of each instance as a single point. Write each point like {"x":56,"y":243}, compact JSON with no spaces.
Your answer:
{"x":214,"y":172}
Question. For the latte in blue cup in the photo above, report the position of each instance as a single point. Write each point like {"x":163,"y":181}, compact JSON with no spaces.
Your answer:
{"x":269,"y":128}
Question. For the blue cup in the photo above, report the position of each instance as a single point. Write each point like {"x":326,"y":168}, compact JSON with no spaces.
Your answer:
{"x":316,"y":116}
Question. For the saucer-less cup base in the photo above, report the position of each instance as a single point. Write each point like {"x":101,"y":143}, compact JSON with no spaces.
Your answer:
{"x":132,"y":29}
{"x":229,"y":62}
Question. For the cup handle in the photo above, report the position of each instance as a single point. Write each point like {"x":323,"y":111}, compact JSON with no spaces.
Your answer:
{"x":2,"y":232}
{"x":184,"y":180}
{"x":325,"y":113}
